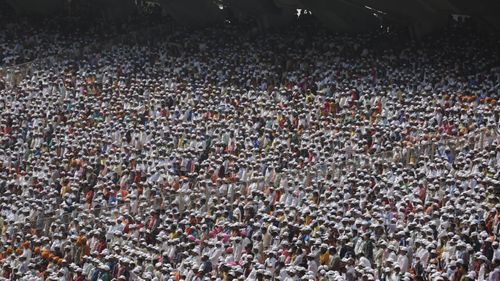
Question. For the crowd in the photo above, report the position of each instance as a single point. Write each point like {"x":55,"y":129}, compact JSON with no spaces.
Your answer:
{"x":290,"y":155}
{"x":25,"y":39}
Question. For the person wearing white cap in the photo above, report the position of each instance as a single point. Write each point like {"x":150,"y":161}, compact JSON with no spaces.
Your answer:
{"x":451,"y":270}
{"x":270,"y":262}
{"x":496,"y":248}
{"x":402,"y":260}
{"x":312,"y":264}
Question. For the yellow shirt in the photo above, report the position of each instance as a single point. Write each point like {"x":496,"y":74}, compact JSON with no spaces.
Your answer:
{"x":324,"y":258}
{"x":65,"y":189}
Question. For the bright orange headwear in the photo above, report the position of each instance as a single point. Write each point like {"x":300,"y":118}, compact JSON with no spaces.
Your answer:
{"x":45,"y":254}
{"x":19,"y":251}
